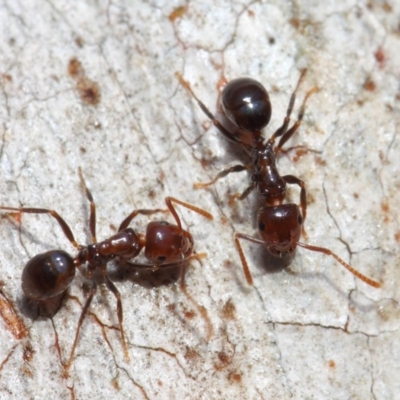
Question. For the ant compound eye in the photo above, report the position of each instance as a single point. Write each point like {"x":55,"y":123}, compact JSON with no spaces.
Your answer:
{"x":261,"y":226}
{"x":246,"y":103}
{"x":300,"y":219}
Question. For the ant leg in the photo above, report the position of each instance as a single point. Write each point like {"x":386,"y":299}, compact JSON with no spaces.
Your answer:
{"x":156,"y":267}
{"x":205,"y":214}
{"x":282,"y":130}
{"x":182,"y":265}
{"x":242,"y":196}
{"x":246,"y":269}
{"x":125,"y":223}
{"x":287,"y":135}
{"x":81,"y":318}
{"x":248,"y":191}
{"x":64,"y":226}
{"x":110,"y":285}
{"x":202,"y":310}
{"x":171,"y":208}
{"x":92,"y":216}
{"x":328,"y":252}
{"x":206,"y":111}
{"x":194,"y":256}
{"x":222,"y":174}
{"x":292,"y":180}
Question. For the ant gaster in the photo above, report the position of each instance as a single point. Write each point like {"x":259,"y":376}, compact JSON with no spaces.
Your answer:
{"x":245,"y":102}
{"x":165,"y":245}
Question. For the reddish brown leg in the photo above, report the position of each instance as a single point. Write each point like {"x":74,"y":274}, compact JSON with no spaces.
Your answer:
{"x":64,"y":226}
{"x":202,"y":311}
{"x":171,"y":208}
{"x":246,"y":269}
{"x":243,"y":195}
{"x":117,"y":295}
{"x":206,"y":111}
{"x":282,"y":130}
{"x":328,"y":252}
{"x":222,"y":174}
{"x":168,"y":200}
{"x":155,"y":267}
{"x":287,"y":135}
{"x":182,"y":264}
{"x":81,"y":319}
{"x":92,"y":216}
{"x":293,"y":180}
{"x":125,"y":223}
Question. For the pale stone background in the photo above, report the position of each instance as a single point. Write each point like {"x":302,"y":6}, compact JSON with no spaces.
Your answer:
{"x":313,"y":331}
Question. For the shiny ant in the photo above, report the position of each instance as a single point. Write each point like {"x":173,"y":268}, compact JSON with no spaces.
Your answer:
{"x":245,"y":103}
{"x":165,"y":245}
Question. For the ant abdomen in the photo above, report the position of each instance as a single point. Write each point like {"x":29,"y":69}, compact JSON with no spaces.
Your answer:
{"x":246,"y":103}
{"x":47,"y":275}
{"x":167,"y":243}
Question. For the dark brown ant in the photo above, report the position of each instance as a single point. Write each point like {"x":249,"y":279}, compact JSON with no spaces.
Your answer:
{"x":165,"y":246}
{"x":245,"y":102}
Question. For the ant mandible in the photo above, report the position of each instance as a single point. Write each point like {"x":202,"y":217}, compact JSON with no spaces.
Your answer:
{"x":245,"y":102}
{"x":165,"y":245}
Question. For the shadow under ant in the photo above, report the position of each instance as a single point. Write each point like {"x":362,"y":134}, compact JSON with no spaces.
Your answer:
{"x":146,"y":278}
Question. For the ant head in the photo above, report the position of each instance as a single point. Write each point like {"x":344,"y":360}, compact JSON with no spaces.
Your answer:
{"x":167,"y":243}
{"x":48,"y":274}
{"x":280,"y":228}
{"x":246,"y":103}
